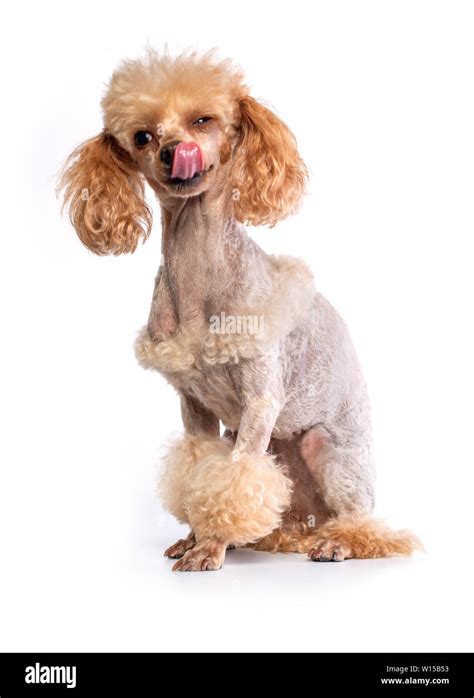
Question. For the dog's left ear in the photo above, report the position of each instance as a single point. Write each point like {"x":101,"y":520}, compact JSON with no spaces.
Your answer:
{"x":268,"y":174}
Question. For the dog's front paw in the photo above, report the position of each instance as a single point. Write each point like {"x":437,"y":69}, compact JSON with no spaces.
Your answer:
{"x":203,"y":557}
{"x":329,"y":551}
{"x":181,"y":546}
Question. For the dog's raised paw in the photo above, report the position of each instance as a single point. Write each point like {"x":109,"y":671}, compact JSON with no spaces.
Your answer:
{"x":203,"y":557}
{"x":329,"y":551}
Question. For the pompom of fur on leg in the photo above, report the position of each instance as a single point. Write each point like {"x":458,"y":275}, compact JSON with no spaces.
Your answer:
{"x":236,"y":501}
{"x":337,"y":539}
{"x":360,"y":537}
{"x":177,"y":465}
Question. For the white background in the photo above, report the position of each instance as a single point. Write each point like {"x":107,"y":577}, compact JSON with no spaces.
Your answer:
{"x":380,"y":97}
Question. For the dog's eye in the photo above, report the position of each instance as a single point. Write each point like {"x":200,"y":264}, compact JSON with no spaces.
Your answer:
{"x":202,"y":120}
{"x":142,"y":138}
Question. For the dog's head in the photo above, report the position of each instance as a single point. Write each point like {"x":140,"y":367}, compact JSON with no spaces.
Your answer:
{"x":186,"y":125}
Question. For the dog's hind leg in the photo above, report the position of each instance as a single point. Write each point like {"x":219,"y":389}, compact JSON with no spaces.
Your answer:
{"x":340,"y":464}
{"x":335,"y":522}
{"x":361,"y":537}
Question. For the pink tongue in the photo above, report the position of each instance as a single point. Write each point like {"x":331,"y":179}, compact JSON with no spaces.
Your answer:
{"x":187,"y":161}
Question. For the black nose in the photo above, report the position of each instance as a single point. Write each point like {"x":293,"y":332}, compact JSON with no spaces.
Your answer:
{"x":167,"y":152}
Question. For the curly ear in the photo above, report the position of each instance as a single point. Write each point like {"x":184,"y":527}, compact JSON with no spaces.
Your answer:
{"x":104,"y":192}
{"x":269,"y":174}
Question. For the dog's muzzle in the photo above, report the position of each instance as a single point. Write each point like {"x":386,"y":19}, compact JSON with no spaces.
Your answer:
{"x":186,"y":159}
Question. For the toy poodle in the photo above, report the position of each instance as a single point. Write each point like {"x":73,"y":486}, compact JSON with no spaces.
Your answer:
{"x":243,"y":336}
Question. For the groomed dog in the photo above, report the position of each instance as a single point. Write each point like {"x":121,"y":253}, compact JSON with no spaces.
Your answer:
{"x":243,"y":336}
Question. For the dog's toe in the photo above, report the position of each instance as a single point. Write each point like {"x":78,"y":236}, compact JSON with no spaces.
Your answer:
{"x":176,"y":551}
{"x":329,"y":551}
{"x":204,"y":557}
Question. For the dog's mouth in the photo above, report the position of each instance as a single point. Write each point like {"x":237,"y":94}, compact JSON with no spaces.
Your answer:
{"x":190,"y":182}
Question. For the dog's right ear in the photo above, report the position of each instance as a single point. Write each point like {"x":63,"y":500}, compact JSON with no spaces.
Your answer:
{"x":105,"y":194}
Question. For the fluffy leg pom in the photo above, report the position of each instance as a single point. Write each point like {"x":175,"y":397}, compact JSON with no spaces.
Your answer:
{"x":360,"y":537}
{"x":226,"y":501}
{"x":177,"y":466}
{"x":236,"y":501}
